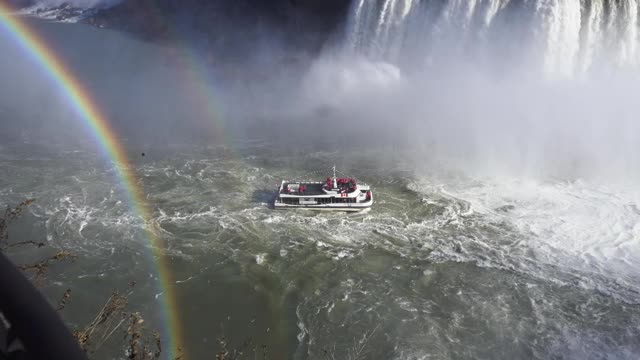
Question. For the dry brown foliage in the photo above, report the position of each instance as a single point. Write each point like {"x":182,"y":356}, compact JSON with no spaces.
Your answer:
{"x":63,"y":301}
{"x":139,"y":348}
{"x":104,"y":324}
{"x":248,"y":350}
{"x":111,"y":316}
{"x":40,"y":268}
{"x":10,"y":215}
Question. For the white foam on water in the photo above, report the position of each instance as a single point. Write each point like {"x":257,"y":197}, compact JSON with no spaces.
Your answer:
{"x":342,"y":254}
{"x":77,"y":222}
{"x":261,"y":258}
{"x":185,"y":280}
{"x":572,"y":225}
{"x":179,"y":217}
{"x":304,"y":332}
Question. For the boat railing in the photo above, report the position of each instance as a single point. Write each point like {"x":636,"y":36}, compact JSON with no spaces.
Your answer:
{"x":298,"y":181}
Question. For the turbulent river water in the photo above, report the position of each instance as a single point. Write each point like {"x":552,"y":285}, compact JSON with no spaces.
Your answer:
{"x":446,"y":264}
{"x":443,"y":266}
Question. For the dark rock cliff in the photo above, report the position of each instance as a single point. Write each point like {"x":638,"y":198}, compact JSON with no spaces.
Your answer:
{"x":230,"y":26}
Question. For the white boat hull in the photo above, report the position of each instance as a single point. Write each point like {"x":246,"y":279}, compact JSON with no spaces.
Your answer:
{"x":326,"y":207}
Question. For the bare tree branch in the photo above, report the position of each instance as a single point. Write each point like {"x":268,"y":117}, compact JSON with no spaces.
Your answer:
{"x":9,"y":216}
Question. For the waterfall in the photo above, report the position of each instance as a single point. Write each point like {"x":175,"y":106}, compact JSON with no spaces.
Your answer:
{"x":560,"y":37}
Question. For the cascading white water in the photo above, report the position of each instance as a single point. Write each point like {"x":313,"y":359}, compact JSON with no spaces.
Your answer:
{"x":562,"y":38}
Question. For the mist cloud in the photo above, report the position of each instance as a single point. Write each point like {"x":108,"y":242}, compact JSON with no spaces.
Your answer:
{"x":500,"y":87}
{"x":433,"y":106}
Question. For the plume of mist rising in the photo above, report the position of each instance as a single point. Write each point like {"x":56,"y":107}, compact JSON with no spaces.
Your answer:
{"x":342,"y":82}
{"x":538,"y":89}
{"x":490,"y":86}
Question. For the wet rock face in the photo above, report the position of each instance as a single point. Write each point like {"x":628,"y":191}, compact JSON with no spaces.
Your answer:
{"x":230,"y":29}
{"x":228,"y":24}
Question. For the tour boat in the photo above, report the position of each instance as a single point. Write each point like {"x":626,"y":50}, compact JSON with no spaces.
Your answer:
{"x":340,"y":194}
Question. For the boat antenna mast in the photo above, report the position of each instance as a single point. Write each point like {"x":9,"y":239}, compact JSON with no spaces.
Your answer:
{"x":334,"y":171}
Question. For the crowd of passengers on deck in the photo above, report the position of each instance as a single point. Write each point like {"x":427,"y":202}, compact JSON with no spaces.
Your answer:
{"x":344,"y":185}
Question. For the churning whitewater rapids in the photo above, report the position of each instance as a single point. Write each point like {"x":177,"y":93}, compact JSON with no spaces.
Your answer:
{"x":440,"y":267}
{"x":506,"y":222}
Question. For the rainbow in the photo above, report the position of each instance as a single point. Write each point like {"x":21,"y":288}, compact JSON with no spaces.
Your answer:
{"x":99,"y":127}
{"x":200,"y":91}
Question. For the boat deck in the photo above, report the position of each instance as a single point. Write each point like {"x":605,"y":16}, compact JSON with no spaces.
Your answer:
{"x":310,"y":189}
